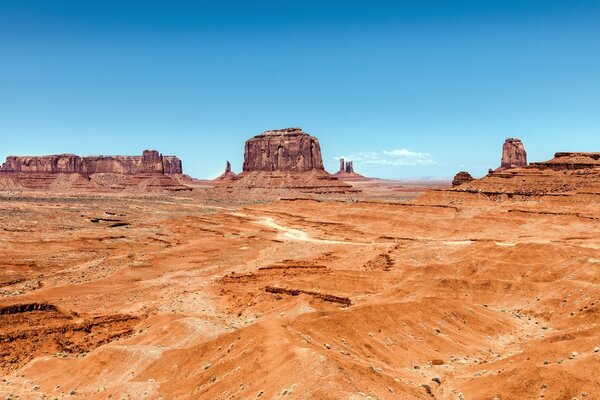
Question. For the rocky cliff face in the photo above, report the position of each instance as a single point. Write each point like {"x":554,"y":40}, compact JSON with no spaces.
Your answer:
{"x":288,"y":149}
{"x":150,"y":162}
{"x":513,"y":154}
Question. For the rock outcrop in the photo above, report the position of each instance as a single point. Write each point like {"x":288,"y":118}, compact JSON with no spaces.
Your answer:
{"x":149,"y":162}
{"x":285,"y":159}
{"x":289,"y":149}
{"x":513,"y":154}
{"x":346,"y":166}
{"x":461,"y":177}
{"x":228,"y":174}
{"x":571,"y":161}
{"x":149,"y":172}
{"x":564,"y":175}
{"x":346,"y":172}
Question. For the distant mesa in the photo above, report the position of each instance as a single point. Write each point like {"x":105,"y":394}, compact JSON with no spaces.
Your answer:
{"x":149,"y":172}
{"x":461,"y":177}
{"x":149,"y":162}
{"x":285,"y":159}
{"x":570,"y":161}
{"x":568,"y":173}
{"x":513,"y":154}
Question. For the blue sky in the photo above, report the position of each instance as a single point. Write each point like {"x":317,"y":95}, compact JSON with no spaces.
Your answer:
{"x":405,"y":88}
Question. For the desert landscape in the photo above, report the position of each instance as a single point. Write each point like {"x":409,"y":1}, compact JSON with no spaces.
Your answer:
{"x":286,"y":281}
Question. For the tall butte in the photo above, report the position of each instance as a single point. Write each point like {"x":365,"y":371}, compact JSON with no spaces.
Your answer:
{"x":513,"y":154}
{"x":289,"y":149}
{"x":285,"y":159}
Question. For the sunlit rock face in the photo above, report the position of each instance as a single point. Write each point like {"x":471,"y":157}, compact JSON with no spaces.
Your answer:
{"x":289,"y":149}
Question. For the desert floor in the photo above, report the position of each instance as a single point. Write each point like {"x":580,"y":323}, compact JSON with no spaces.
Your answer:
{"x":188,"y":297}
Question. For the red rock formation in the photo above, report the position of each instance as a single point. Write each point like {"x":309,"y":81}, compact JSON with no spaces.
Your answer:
{"x":571,"y":161}
{"x":566,"y":173}
{"x":346,"y":172}
{"x":513,"y":154}
{"x":149,"y":172}
{"x":285,"y":159}
{"x":228,"y":174}
{"x":461,"y":177}
{"x":288,"y":149}
{"x":349,"y":167}
{"x":150,"y":162}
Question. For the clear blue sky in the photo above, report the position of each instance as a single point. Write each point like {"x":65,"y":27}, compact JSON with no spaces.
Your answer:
{"x":406,"y":88}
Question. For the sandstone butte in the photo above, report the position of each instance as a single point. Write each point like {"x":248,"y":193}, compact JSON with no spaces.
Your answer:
{"x":149,"y":172}
{"x":513,"y":154}
{"x":285,"y":159}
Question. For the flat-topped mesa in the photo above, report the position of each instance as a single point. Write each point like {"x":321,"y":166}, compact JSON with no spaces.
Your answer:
{"x":150,"y":162}
{"x":570,"y":161}
{"x":513,"y":154}
{"x":289,"y":149}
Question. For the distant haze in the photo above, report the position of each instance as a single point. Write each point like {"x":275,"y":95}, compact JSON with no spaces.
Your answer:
{"x":402,"y":88}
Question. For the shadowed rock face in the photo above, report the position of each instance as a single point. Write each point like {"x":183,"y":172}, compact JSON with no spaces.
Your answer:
{"x":513,"y":154}
{"x":150,"y":162}
{"x":288,"y":149}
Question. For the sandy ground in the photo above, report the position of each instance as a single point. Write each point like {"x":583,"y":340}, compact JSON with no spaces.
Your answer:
{"x":187,"y":297}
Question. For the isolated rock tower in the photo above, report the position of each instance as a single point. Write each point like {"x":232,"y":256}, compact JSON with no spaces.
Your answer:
{"x":513,"y":154}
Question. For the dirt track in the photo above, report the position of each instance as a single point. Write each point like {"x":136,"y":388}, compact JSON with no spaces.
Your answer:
{"x":181,"y":297}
